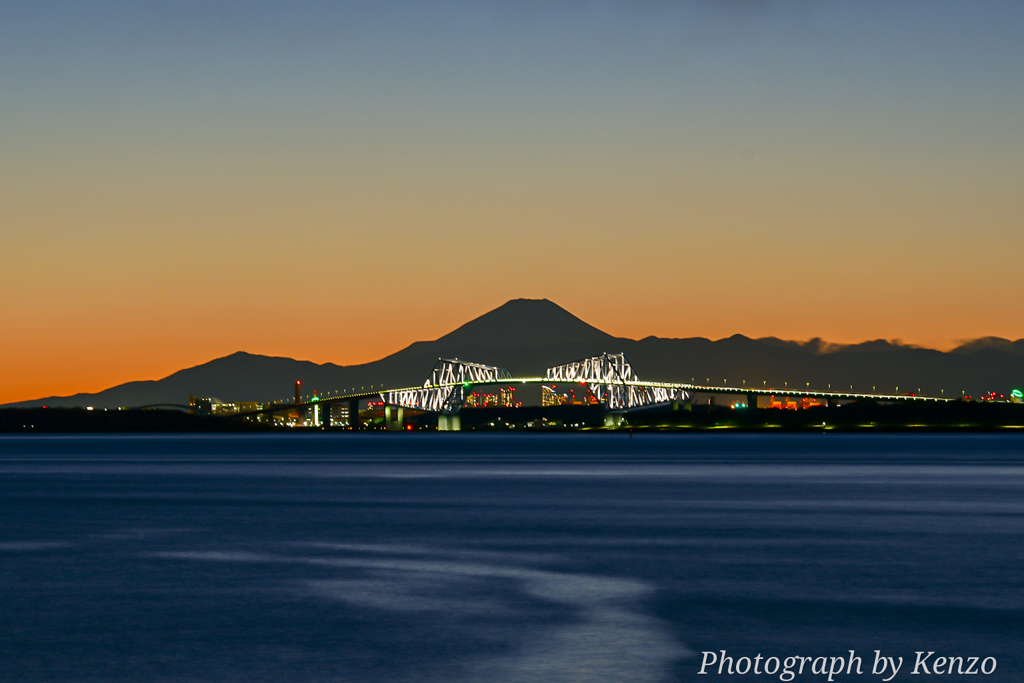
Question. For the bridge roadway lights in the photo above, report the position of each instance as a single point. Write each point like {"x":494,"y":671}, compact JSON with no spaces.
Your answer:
{"x":449,"y":423}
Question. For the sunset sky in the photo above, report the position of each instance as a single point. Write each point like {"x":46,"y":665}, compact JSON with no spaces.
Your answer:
{"x":332,"y":181}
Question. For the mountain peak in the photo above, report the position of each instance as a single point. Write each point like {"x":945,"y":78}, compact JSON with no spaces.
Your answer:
{"x":525,"y":322}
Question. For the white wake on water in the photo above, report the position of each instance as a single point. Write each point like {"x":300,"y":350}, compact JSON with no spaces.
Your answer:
{"x":610,"y":639}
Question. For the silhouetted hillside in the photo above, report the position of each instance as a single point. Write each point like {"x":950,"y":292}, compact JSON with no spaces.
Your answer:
{"x":527,"y":336}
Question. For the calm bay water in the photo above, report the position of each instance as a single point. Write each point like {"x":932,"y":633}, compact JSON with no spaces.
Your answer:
{"x":526,"y":558}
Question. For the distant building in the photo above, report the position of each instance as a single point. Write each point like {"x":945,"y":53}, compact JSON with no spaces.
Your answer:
{"x":549,"y":396}
{"x":507,"y":397}
{"x":791,"y":403}
{"x":215,"y":406}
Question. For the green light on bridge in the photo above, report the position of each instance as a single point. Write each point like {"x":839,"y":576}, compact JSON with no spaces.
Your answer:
{"x":1016,"y":393}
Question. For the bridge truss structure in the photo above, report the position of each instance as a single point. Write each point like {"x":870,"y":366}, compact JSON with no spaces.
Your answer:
{"x":612,"y":381}
{"x":448,"y":386}
{"x":609,"y":376}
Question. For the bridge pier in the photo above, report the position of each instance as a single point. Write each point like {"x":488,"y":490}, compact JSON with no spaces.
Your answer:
{"x":394,"y":418}
{"x":752,"y":401}
{"x":353,"y":415}
{"x":324,"y":415}
{"x":449,"y":423}
{"x":613,"y":420}
{"x":833,"y":402}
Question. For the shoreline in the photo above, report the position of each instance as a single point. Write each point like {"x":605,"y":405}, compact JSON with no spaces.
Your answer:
{"x":955,"y":418}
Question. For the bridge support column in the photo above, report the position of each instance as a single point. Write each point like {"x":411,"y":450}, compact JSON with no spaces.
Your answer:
{"x":394,"y":418}
{"x":752,"y":401}
{"x":449,"y":423}
{"x":353,"y":415}
{"x":325,"y":415}
{"x":612,"y":421}
{"x":833,"y":402}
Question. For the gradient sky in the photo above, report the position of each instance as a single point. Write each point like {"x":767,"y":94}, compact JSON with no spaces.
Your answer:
{"x":334,"y":180}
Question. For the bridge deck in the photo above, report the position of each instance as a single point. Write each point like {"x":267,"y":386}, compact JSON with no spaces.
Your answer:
{"x":694,"y":388}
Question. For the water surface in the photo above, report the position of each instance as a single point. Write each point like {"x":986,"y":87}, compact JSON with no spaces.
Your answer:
{"x":526,"y":558}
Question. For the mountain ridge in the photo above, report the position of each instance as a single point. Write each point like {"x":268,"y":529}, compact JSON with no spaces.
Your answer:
{"x":528,"y":335}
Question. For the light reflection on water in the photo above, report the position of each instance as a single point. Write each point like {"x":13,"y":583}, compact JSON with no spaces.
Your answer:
{"x":609,"y":637}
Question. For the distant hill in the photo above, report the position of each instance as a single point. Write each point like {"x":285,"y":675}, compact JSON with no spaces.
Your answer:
{"x":526,"y":336}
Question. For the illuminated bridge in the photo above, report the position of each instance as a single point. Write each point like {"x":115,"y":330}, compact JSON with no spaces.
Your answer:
{"x":609,"y":378}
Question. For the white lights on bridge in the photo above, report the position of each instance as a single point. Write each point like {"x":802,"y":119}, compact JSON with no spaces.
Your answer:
{"x":445,"y":391}
{"x":613,"y":382}
{"x":609,"y":377}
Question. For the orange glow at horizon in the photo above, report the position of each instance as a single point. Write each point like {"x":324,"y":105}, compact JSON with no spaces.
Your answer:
{"x":364,"y":276}
{"x":133,"y":345}
{"x":354,"y":275}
